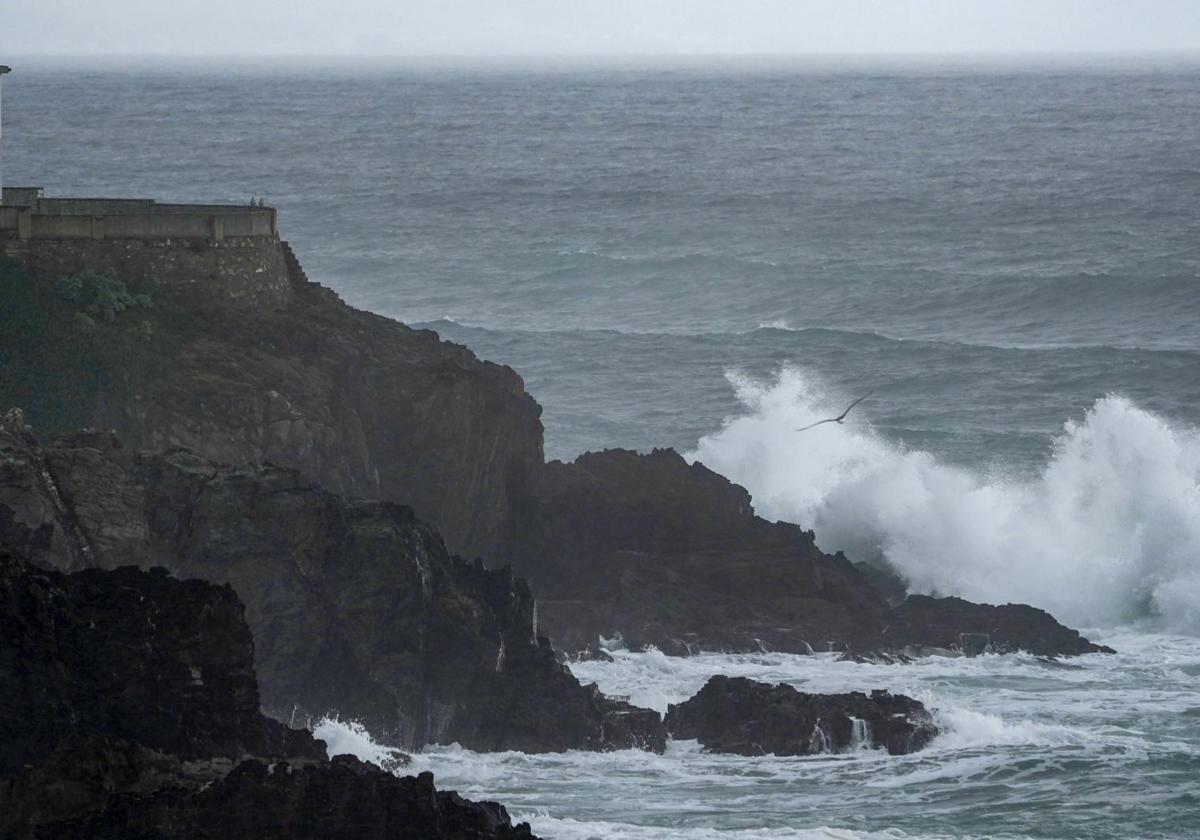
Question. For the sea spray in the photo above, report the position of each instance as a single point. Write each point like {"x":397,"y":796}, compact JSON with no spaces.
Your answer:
{"x":1106,"y":533}
{"x":351,"y":738}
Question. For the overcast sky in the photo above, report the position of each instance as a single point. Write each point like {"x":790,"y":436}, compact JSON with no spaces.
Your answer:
{"x":593,"y":27}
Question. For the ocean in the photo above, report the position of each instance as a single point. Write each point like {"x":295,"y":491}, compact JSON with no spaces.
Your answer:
{"x":710,"y":256}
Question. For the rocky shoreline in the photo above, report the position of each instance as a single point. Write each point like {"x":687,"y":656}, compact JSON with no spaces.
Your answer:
{"x":336,"y":472}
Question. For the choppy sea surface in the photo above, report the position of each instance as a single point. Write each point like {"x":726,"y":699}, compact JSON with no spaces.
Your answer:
{"x":712,"y":256}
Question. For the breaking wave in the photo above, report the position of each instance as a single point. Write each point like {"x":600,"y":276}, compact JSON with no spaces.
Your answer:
{"x":1107,"y":533}
{"x":349,"y":737}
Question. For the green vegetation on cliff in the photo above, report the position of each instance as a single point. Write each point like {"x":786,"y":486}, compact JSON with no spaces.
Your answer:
{"x":70,"y":344}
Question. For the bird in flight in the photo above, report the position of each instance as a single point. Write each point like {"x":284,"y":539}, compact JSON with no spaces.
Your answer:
{"x":841,"y":416}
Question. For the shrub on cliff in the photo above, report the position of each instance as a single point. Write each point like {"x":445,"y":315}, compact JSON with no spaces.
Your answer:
{"x":69,"y":344}
{"x":98,"y":296}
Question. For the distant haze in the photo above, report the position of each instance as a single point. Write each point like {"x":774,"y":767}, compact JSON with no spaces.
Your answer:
{"x":595,"y":27}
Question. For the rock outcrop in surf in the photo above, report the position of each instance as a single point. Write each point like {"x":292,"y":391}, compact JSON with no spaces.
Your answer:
{"x":129,"y":707}
{"x":746,"y":717}
{"x":671,"y":554}
{"x":921,"y":623}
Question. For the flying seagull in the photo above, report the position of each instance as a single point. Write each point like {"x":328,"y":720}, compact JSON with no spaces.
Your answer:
{"x":841,"y":416}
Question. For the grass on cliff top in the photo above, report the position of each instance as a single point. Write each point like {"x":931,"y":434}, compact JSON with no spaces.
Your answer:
{"x":70,"y":346}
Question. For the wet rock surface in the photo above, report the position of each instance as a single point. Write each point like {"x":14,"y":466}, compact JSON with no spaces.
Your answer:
{"x":342,"y":798}
{"x":665,"y":552}
{"x":671,"y":554}
{"x":922,"y":623}
{"x":356,"y":607}
{"x":744,"y":717}
{"x":129,"y":708}
{"x":362,"y":404}
{"x":129,"y":655}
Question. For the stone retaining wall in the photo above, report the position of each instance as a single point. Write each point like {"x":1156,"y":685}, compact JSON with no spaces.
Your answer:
{"x":245,"y":270}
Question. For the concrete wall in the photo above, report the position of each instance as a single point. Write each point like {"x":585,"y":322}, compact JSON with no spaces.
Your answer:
{"x":32,"y":216}
{"x":159,"y":224}
{"x":248,"y":271}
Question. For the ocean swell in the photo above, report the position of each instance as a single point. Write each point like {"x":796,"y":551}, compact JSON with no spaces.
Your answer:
{"x":1107,"y":533}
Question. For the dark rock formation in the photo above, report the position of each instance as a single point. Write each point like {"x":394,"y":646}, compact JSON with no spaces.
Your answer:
{"x":645,"y":545}
{"x":356,"y":607}
{"x":671,"y":554}
{"x":80,"y":777}
{"x":359,"y":403}
{"x":343,"y":798}
{"x":129,"y":655}
{"x":741,"y":716}
{"x":955,"y":624}
{"x":127,"y":698}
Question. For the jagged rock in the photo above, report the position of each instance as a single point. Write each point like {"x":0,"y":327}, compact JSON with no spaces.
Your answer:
{"x":744,"y":717}
{"x":359,"y":403}
{"x":671,"y":554}
{"x":356,"y":607}
{"x":343,"y":798}
{"x":128,"y":697}
{"x":922,"y":623}
{"x":80,"y":776}
{"x":129,"y":655}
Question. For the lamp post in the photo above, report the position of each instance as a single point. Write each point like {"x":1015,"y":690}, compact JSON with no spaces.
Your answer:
{"x":3,"y":69}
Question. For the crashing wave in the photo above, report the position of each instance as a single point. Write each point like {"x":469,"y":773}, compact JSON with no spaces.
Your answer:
{"x":1108,"y":532}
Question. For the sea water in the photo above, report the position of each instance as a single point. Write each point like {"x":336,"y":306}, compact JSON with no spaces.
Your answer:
{"x":712,"y":256}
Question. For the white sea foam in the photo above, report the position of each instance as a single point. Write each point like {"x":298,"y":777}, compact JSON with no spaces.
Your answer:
{"x":1109,"y":531}
{"x":1017,"y":733}
{"x":568,"y":829}
{"x":351,"y":738}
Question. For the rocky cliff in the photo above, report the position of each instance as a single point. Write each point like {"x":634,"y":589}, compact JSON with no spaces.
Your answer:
{"x":129,"y":655}
{"x":361,"y":404}
{"x":129,"y":708}
{"x":346,"y":798}
{"x":646,"y":545}
{"x":671,"y":554}
{"x":356,"y":607}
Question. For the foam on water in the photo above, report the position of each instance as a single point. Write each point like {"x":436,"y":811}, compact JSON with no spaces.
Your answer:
{"x":568,"y":829}
{"x":1086,"y":749}
{"x":351,"y":738}
{"x":1108,"y":532}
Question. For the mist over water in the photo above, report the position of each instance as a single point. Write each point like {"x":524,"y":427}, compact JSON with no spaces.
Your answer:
{"x":1107,"y":532}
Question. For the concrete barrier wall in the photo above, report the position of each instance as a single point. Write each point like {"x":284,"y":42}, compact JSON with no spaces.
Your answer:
{"x":134,"y":219}
{"x":61,"y":227}
{"x":90,"y":206}
{"x":178,"y":225}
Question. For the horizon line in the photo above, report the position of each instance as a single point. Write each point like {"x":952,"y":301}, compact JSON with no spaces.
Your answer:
{"x":624,"y":55}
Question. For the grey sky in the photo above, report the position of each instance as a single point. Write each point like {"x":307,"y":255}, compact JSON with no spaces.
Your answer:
{"x":593,"y":27}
